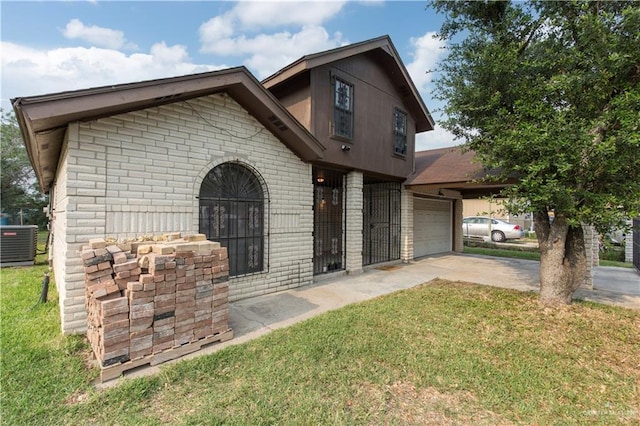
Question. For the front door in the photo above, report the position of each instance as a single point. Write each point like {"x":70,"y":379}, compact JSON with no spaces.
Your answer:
{"x":381,"y":222}
{"x":328,"y":217}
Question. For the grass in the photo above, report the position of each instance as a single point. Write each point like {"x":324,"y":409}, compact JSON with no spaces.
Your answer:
{"x":513,"y":254}
{"x":38,"y":366}
{"x":524,"y":253}
{"x":443,"y":353}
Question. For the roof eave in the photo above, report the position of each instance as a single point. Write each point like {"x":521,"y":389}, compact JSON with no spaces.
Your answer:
{"x":30,"y":143}
{"x":43,"y":119}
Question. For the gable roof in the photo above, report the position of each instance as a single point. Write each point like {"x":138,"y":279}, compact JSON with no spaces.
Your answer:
{"x":452,"y":168}
{"x":44,"y":119}
{"x":385,"y":53}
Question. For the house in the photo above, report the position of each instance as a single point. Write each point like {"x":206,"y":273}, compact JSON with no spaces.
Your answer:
{"x":310,"y":172}
{"x":444,"y":179}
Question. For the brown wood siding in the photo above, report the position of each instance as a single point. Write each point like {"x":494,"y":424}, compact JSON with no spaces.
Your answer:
{"x":375,"y":98}
{"x":297,"y":99}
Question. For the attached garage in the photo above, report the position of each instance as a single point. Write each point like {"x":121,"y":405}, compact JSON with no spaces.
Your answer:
{"x":444,"y":177}
{"x":432,"y":221}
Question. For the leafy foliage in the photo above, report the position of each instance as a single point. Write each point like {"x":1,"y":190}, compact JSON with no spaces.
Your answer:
{"x":548,"y":92}
{"x":20,"y":194}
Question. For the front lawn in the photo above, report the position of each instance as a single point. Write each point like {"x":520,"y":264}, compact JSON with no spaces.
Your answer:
{"x":489,"y":249}
{"x":442,"y":353}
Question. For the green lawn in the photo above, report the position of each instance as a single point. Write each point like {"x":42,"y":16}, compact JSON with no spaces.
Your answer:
{"x":519,"y":253}
{"x":443,"y":353}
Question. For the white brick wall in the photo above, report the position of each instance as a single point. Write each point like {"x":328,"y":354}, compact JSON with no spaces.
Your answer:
{"x":354,"y":224}
{"x":591,"y":246}
{"x":628,"y":243}
{"x":406,"y":225}
{"x":140,"y":173}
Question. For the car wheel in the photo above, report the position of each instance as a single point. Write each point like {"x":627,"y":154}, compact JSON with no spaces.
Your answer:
{"x":498,"y":236}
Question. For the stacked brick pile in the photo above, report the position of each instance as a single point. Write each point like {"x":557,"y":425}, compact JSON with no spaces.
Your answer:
{"x":147,"y":297}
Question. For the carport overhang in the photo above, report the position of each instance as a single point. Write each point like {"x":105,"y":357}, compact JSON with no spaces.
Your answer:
{"x":460,"y":190}
{"x":453,"y":173}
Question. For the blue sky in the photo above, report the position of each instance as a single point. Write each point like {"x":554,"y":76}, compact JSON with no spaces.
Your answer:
{"x":53,"y":46}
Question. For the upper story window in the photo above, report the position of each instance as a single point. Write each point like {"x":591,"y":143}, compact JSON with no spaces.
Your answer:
{"x":399,"y":132}
{"x":342,"y":109}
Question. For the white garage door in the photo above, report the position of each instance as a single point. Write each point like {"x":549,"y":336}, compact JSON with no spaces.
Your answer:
{"x":431,"y":226}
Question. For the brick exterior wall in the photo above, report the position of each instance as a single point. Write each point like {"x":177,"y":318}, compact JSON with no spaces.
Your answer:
{"x":141,"y":172}
{"x":628,"y":243}
{"x":592,"y":250}
{"x":354,"y":223}
{"x":406,"y":225}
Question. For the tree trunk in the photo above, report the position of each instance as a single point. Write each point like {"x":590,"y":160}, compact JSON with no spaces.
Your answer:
{"x":563,"y":259}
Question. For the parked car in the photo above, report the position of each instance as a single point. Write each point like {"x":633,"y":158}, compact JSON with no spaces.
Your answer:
{"x":615,"y":236}
{"x":498,"y":230}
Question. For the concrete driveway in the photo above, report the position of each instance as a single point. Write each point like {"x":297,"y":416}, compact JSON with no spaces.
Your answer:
{"x":254,"y":317}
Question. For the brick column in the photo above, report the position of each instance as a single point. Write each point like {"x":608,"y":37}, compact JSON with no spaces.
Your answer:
{"x":592,"y":247}
{"x":353,"y":211}
{"x":628,"y":243}
{"x":406,"y":226}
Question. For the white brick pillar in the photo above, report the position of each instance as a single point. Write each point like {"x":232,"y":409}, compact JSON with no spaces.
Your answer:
{"x":353,"y":211}
{"x":628,"y":243}
{"x":592,"y":247}
{"x":406,"y":226}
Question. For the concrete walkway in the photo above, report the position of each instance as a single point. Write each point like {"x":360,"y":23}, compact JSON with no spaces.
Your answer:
{"x":254,"y":317}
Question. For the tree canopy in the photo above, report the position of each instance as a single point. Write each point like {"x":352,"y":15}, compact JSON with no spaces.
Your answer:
{"x":548,"y":92}
{"x":20,"y":194}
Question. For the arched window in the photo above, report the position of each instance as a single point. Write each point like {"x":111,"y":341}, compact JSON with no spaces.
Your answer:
{"x":232,"y":213}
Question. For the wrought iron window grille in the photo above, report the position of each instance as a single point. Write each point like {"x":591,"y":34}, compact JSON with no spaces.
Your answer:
{"x":232,"y":207}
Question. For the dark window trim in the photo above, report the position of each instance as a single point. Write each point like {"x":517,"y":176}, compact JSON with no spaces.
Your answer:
{"x":335,"y":109}
{"x":397,"y":134}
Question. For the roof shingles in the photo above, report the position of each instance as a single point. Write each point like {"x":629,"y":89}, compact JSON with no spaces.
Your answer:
{"x":446,"y":165}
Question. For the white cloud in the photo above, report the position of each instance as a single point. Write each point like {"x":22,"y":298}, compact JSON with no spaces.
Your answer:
{"x":266,"y":53}
{"x":437,"y":138}
{"x":27,"y":71}
{"x":215,"y":29}
{"x":252,"y":15}
{"x":426,"y":53}
{"x":96,"y":36}
{"x":163,"y":54}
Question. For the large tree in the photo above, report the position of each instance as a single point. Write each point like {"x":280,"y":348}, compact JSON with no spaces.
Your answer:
{"x":20,"y":197}
{"x":548,"y":93}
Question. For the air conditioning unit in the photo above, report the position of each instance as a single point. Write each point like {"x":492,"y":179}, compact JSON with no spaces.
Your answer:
{"x":18,"y":245}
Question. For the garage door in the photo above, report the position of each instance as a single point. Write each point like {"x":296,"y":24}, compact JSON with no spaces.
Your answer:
{"x":431,"y":227}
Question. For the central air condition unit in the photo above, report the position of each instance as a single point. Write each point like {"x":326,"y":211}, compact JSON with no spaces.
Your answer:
{"x":18,"y":245}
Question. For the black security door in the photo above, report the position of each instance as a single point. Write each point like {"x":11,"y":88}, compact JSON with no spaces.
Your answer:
{"x":328,"y":217}
{"x":381,"y":222}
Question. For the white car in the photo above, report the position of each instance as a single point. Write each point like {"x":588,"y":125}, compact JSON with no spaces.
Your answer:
{"x":498,"y":230}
